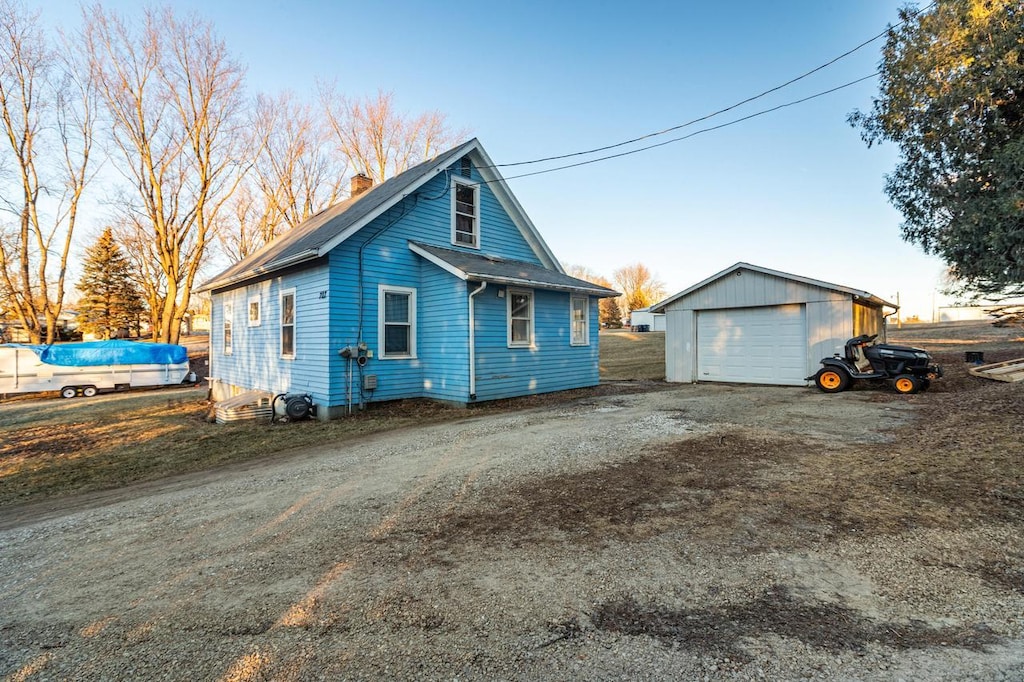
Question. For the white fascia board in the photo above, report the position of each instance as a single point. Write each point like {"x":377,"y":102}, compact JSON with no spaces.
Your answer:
{"x":532,"y":284}
{"x":272,"y":266}
{"x":443,"y":264}
{"x":515,"y":210}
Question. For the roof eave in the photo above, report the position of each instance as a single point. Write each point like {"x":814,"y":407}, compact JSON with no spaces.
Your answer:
{"x":535,"y":284}
{"x":273,"y":266}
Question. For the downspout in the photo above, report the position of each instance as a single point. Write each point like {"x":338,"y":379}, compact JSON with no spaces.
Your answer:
{"x":472,"y":342}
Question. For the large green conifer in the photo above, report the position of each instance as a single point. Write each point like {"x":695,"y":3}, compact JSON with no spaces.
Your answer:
{"x":110,"y":305}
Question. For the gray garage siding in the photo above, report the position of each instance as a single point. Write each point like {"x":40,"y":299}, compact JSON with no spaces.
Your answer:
{"x":830,"y":315}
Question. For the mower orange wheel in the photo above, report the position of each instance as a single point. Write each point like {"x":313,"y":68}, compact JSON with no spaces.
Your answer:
{"x":907,"y":384}
{"x":831,"y":380}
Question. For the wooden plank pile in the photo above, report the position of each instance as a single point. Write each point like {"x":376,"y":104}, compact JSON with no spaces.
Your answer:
{"x":1010,"y":370}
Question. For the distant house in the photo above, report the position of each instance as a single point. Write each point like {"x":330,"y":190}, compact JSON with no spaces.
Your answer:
{"x":644,"y":320}
{"x":11,"y":330}
{"x":750,"y":324}
{"x":433,"y":284}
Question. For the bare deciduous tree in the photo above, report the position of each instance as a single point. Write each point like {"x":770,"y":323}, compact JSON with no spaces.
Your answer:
{"x":380,"y":141}
{"x":295,"y":173}
{"x":639,"y":286}
{"x":173,"y":94}
{"x":47,"y":125}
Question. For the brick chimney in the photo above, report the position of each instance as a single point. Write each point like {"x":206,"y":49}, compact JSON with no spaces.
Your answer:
{"x":360,"y":183}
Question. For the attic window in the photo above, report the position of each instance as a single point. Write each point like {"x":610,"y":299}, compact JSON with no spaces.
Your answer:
{"x":465,"y":214}
{"x":466,"y":167}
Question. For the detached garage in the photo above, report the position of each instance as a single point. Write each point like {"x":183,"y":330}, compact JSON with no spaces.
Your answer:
{"x":754,"y":325}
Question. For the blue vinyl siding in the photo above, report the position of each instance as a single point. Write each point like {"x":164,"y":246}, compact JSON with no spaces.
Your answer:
{"x":441,"y":368}
{"x":444,"y":334}
{"x":255,"y":361}
{"x":552,"y":364}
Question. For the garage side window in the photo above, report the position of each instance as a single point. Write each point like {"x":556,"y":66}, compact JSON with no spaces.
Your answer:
{"x":229,"y":314}
{"x":580,"y":318}
{"x":520,"y":318}
{"x":288,"y":324}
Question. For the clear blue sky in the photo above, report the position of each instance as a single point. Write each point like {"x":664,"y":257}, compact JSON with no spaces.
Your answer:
{"x":795,"y":190}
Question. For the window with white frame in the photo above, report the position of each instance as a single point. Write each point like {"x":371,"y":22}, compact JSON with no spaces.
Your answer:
{"x":520,"y":317}
{"x":254,"y":311}
{"x":288,"y":324}
{"x":465,"y":213}
{"x":229,"y":314}
{"x":396,"y":321}
{"x":579,"y":320}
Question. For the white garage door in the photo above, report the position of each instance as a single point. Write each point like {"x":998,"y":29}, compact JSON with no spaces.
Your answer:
{"x":753,"y":345}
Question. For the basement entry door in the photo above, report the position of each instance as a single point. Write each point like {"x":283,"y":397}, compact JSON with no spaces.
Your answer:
{"x":766,"y":345}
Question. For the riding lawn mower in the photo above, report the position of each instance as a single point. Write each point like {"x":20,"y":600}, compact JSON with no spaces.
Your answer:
{"x":910,"y":369}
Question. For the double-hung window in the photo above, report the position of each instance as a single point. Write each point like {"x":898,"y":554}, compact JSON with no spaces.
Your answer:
{"x":229,"y":313}
{"x":288,"y":324}
{"x":520,"y":318}
{"x":396,"y":321}
{"x":579,"y":320}
{"x":465,"y":213}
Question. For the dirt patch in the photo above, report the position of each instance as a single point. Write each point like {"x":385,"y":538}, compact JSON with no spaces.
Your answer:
{"x":777,"y":612}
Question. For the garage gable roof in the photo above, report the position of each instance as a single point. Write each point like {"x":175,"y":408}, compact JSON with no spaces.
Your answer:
{"x":857,"y":294}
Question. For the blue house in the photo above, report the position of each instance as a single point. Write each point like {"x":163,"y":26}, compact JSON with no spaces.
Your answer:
{"x":433,"y":284}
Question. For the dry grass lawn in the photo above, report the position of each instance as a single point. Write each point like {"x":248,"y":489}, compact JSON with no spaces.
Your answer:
{"x":628,"y":356}
{"x":57,"y":447}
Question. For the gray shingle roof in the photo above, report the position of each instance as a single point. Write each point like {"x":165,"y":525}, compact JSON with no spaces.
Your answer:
{"x":306,"y":241}
{"x":479,"y":268}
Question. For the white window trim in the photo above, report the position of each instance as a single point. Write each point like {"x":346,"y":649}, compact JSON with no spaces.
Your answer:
{"x":508,"y":318}
{"x":259,"y":311}
{"x":456,"y":180}
{"x":280,"y":325}
{"x":383,"y":289}
{"x":586,"y":320}
{"x":228,"y":323}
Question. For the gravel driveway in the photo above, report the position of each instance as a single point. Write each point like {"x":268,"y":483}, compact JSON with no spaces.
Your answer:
{"x":483,"y":549}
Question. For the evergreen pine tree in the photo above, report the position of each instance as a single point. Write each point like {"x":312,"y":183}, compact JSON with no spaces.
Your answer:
{"x":110,"y":301}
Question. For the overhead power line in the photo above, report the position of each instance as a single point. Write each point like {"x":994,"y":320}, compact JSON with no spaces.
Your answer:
{"x":694,"y":133}
{"x":714,"y":113}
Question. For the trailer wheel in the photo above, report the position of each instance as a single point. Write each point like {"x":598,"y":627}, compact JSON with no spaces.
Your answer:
{"x":89,"y":391}
{"x":907,"y":384}
{"x":831,"y":379}
{"x":68,"y":392}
